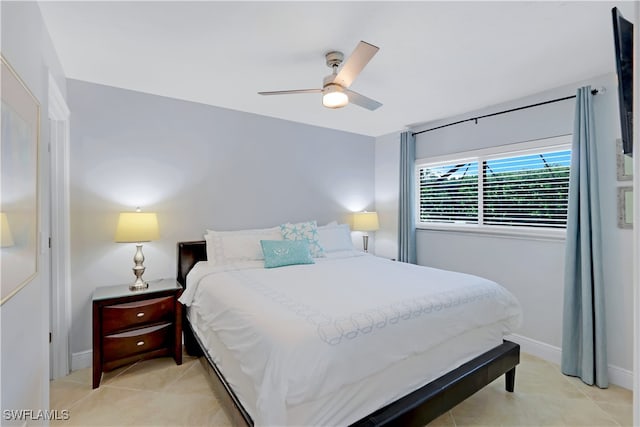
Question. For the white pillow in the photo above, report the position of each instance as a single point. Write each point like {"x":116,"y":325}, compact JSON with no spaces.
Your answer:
{"x":226,"y":247}
{"x":335,"y":238}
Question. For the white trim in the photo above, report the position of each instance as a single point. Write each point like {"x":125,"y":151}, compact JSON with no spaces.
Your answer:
{"x":60,"y":229}
{"x":529,"y":233}
{"x":81,"y":360}
{"x":58,"y":108}
{"x":537,"y":348}
{"x":618,"y":376}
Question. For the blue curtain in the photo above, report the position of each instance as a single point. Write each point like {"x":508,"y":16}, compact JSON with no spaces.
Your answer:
{"x":406,"y":211}
{"x":584,"y":352}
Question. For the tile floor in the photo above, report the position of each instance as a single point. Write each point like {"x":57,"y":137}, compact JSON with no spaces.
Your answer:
{"x":159,"y":393}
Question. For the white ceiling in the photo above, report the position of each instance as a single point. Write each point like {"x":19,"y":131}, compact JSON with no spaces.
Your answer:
{"x":436,"y":59}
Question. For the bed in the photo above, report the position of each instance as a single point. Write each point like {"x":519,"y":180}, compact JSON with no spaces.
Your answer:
{"x":361,"y":385}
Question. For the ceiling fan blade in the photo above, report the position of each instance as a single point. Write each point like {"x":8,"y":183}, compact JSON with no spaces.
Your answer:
{"x":290,"y":92}
{"x":363,"y":101}
{"x":355,"y":63}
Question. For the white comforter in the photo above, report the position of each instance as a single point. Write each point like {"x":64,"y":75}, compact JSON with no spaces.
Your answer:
{"x":300,"y":332}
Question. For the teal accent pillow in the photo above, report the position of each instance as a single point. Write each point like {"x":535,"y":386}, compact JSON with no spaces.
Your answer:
{"x":278,"y":253}
{"x":304,"y":231}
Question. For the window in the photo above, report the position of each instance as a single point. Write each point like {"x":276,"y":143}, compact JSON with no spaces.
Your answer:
{"x":522,"y":188}
{"x":449,"y":193}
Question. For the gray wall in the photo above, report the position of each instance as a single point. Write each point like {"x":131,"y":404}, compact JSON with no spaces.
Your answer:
{"x":533,"y":269}
{"x":24,"y":319}
{"x":198,"y":167}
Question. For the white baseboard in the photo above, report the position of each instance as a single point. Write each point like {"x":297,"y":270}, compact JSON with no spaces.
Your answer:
{"x":548,"y":352}
{"x":539,"y":349}
{"x":621,"y":377}
{"x":81,"y":360}
{"x":618,"y":376}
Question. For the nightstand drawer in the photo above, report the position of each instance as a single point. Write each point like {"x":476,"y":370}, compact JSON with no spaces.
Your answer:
{"x":136,"y":341}
{"x":129,"y":315}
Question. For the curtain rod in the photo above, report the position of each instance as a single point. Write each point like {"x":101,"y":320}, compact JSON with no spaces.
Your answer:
{"x":593,"y":92}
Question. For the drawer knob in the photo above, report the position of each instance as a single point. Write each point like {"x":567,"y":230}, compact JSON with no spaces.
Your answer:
{"x":141,"y":314}
{"x":139,"y":343}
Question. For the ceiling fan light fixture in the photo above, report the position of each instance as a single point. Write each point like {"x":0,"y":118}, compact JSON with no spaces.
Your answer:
{"x":335,"y":87}
{"x":333,"y":96}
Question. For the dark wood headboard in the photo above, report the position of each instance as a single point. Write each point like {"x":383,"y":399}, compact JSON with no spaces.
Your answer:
{"x":189,"y":253}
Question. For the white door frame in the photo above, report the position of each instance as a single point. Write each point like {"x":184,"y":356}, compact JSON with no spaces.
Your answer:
{"x":60,"y":232}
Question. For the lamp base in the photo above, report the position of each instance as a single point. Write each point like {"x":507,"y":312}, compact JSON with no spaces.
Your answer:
{"x":138,"y":285}
{"x":138,"y":270}
{"x":365,"y":242}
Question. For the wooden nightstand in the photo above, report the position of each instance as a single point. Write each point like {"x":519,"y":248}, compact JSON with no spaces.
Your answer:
{"x":132,"y":325}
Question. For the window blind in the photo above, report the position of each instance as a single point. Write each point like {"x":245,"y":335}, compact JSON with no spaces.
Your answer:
{"x":449,"y":193}
{"x":529,"y":190}
{"x":512,"y":190}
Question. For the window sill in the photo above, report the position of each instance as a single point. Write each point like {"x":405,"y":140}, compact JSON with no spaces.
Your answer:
{"x":493,"y":231}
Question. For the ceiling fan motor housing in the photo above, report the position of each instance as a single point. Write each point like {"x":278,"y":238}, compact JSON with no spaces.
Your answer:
{"x":329,"y":80}
{"x":334,"y":59}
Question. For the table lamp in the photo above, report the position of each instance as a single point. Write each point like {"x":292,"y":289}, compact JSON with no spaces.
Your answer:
{"x":365,"y":221}
{"x":6,"y":239}
{"x":137,"y":227}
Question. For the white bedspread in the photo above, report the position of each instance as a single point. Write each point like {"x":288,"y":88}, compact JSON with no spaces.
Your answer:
{"x":300,"y":332}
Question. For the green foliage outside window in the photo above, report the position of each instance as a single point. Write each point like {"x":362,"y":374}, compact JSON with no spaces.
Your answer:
{"x":530,"y":191}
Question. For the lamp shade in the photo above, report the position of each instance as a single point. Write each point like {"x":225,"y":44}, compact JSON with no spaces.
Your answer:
{"x":136,"y":227}
{"x":6,"y":239}
{"x":365,"y":221}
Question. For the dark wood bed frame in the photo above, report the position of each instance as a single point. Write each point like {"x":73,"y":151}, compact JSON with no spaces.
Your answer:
{"x":415,"y":409}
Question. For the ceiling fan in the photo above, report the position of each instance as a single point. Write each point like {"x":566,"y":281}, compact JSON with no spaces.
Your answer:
{"x":335,"y":87}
